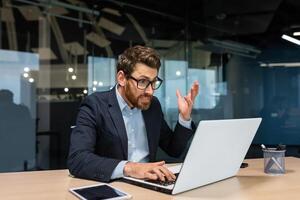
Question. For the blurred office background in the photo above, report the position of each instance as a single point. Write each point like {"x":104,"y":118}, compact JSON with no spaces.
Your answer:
{"x":245,"y":54}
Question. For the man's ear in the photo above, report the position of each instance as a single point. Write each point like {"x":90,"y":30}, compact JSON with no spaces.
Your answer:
{"x":121,"y":78}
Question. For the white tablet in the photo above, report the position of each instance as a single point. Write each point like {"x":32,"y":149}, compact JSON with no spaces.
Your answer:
{"x":99,"y":192}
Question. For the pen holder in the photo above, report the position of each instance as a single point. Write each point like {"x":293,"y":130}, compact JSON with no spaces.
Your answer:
{"x":274,"y":161}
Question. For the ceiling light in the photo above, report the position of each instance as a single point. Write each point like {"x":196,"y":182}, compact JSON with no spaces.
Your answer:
{"x":94,"y":89}
{"x":296,"y":34}
{"x":70,"y":69}
{"x":74,"y":77}
{"x":85,"y":91}
{"x":25,"y":75}
{"x":100,"y":83}
{"x":178,"y":73}
{"x":31,"y":80}
{"x":66,"y":89}
{"x":26,"y":69}
{"x":95,"y":82}
{"x":290,"y":39}
{"x":289,"y":64}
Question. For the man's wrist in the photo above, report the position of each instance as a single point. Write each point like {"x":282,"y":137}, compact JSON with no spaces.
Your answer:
{"x":119,"y":170}
{"x":127,"y":169}
{"x":184,"y":123}
{"x":185,"y":118}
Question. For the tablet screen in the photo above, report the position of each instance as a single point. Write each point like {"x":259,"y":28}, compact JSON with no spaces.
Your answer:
{"x":99,"y":192}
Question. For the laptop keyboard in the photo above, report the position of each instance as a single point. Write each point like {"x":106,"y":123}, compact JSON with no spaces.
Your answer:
{"x":163,"y":183}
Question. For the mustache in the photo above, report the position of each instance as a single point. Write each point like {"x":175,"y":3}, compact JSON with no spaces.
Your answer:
{"x":146,"y":95}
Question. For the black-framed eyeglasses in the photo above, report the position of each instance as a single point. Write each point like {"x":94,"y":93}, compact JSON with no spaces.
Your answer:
{"x":144,"y":83}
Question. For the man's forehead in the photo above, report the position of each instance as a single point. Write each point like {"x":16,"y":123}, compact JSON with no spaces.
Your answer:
{"x":144,"y":71}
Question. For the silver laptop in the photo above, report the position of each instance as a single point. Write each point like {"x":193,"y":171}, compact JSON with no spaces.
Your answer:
{"x":216,"y":153}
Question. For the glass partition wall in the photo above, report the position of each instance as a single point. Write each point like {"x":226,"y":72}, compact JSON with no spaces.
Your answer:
{"x":55,"y":53}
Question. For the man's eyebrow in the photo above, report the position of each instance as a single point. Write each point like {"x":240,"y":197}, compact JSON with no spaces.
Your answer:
{"x":146,"y":77}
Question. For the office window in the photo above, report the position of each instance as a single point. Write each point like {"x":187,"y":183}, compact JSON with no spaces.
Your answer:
{"x":101,"y":73}
{"x":18,"y":109}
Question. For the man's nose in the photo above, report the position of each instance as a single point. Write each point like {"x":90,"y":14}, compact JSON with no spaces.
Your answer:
{"x":149,"y":89}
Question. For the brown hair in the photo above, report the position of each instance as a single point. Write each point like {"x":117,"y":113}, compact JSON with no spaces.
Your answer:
{"x":137,"y":54}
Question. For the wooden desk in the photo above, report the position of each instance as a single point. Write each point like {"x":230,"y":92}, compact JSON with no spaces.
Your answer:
{"x":251,"y":183}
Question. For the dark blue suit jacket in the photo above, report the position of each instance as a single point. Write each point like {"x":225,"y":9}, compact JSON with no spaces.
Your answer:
{"x":99,"y":141}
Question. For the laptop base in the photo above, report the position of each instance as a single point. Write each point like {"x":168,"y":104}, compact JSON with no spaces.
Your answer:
{"x":147,"y":186}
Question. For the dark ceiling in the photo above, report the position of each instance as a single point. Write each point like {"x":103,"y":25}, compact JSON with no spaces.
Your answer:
{"x":252,"y":21}
{"x":258,"y":23}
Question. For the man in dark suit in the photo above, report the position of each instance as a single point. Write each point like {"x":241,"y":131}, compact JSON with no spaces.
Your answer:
{"x":118,"y":132}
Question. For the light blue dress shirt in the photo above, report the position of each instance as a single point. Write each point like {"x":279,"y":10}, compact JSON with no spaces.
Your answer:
{"x":138,"y":150}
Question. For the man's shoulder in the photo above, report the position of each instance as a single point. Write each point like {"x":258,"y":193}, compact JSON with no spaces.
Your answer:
{"x":99,"y":97}
{"x":155,"y":100}
{"x":155,"y":103}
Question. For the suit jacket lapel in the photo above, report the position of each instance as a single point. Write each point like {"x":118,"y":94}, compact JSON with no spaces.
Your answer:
{"x":148,"y":119}
{"x":116,"y":116}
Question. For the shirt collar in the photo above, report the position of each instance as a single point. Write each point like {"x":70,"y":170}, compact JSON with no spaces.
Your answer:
{"x":121,"y":101}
